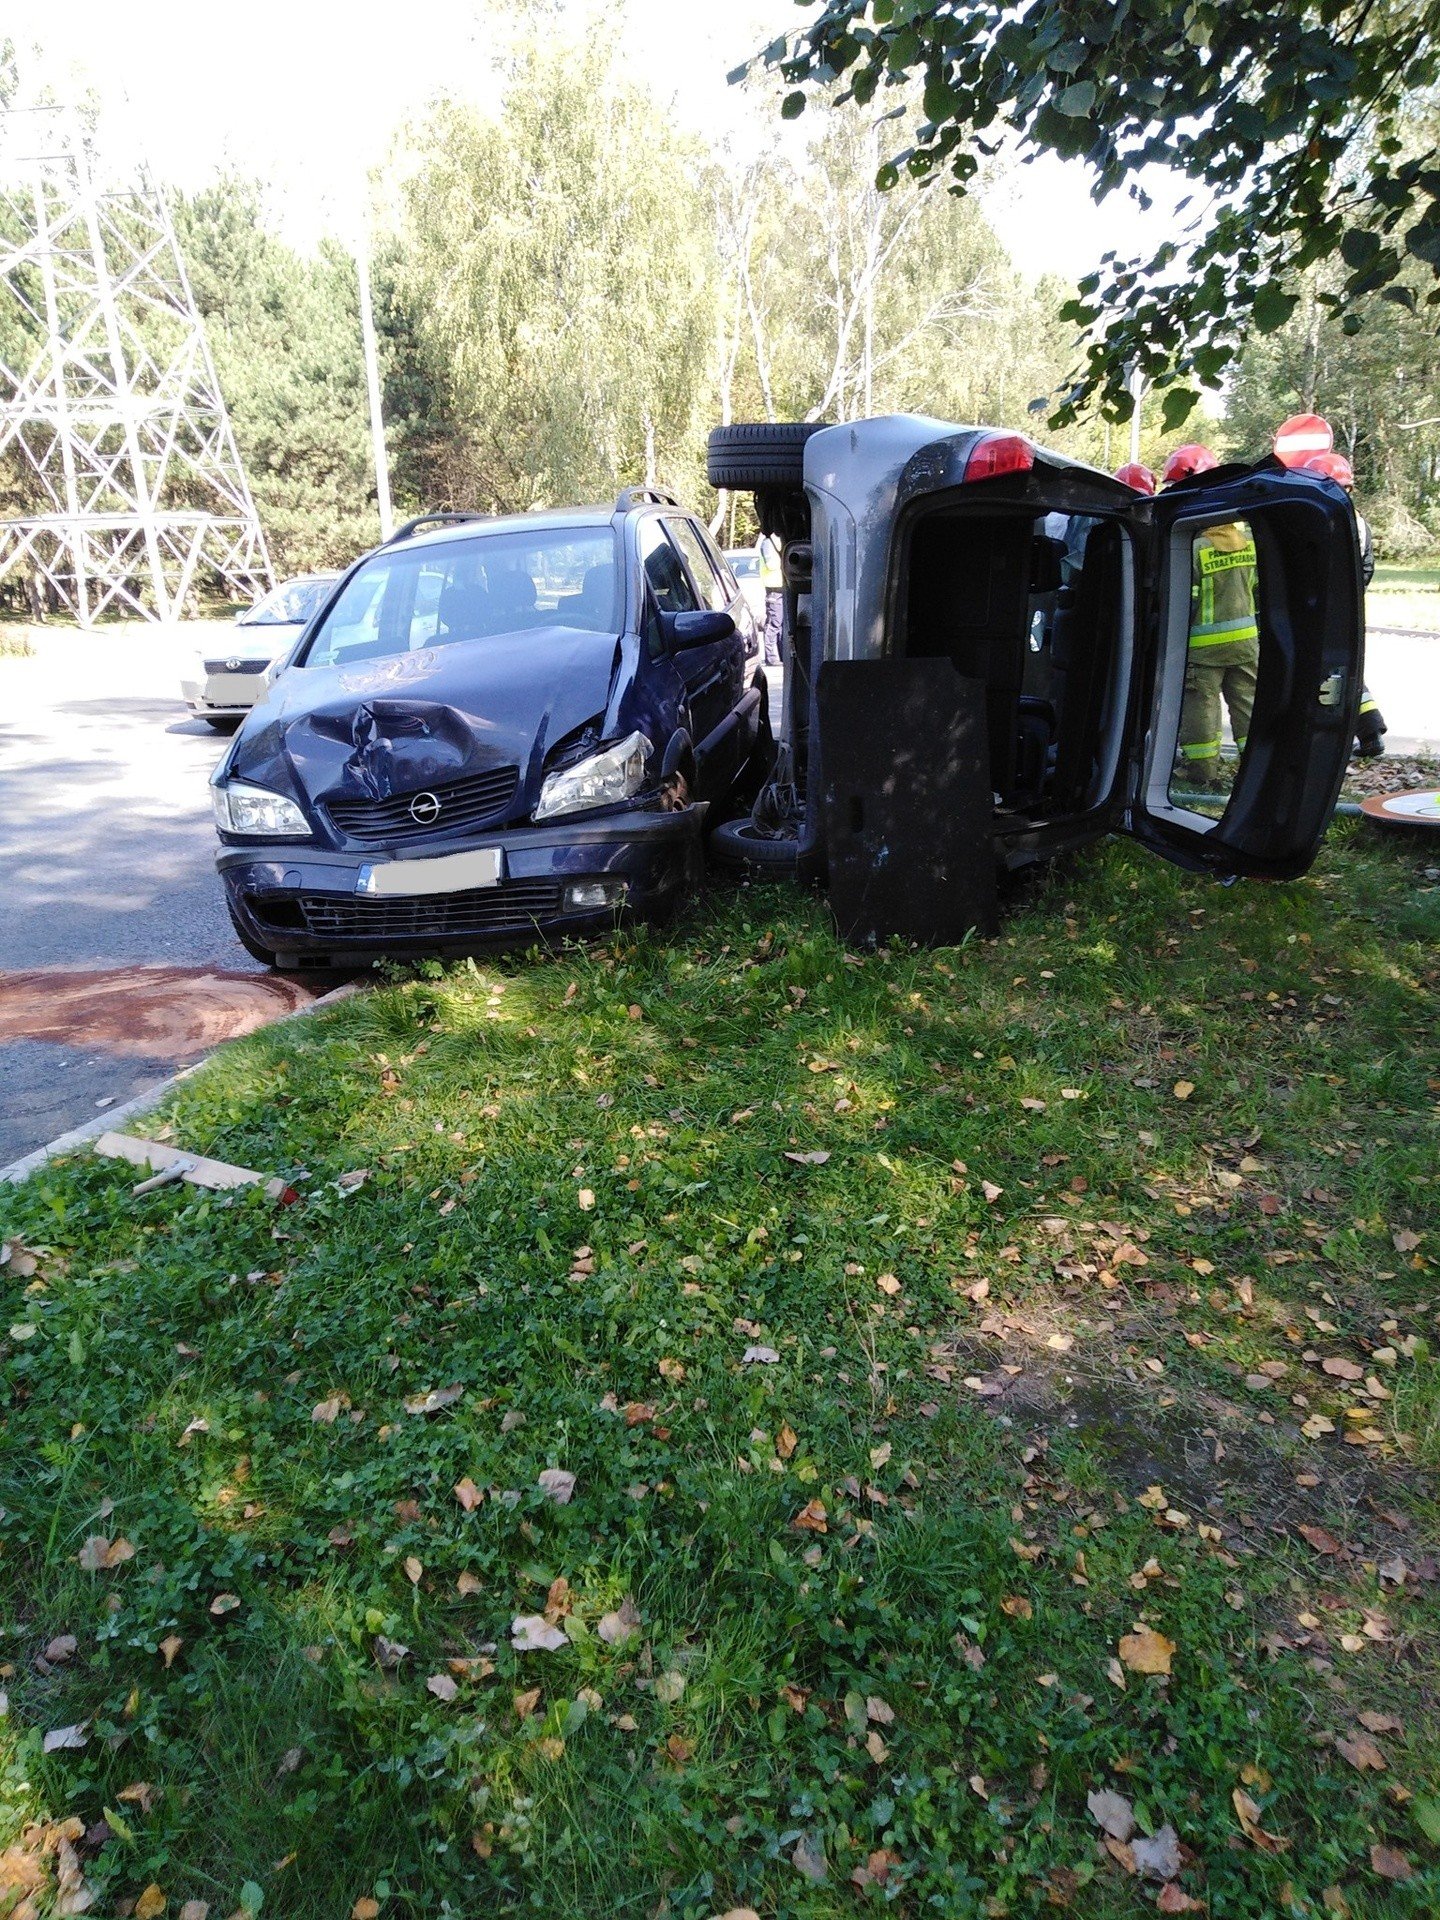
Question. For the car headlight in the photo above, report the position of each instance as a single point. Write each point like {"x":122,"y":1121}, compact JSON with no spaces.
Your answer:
{"x":254,"y":811}
{"x":614,"y":774}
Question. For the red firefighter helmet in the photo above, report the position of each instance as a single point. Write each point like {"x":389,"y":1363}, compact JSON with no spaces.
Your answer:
{"x":1191,"y":458}
{"x":1333,"y":465}
{"x":1132,"y":474}
{"x":1300,"y":436}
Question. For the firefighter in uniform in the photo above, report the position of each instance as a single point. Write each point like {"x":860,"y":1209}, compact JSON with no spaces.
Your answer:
{"x":1224,"y":655}
{"x":1370,"y":727}
{"x":1133,"y":474}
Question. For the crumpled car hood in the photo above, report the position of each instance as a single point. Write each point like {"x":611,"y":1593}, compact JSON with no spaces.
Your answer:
{"x":417,"y":720}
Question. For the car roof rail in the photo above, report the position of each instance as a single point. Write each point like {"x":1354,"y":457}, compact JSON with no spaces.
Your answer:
{"x":644,"y":497}
{"x":442,"y":517}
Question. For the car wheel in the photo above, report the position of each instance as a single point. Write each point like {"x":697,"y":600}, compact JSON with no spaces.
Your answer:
{"x":764,"y":454}
{"x":222,"y":722}
{"x":252,"y":947}
{"x":741,"y":843}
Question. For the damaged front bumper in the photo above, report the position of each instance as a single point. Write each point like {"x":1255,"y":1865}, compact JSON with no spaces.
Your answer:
{"x":575,"y":877}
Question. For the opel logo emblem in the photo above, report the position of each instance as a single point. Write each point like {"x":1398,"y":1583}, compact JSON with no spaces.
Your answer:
{"x":425,"y":809}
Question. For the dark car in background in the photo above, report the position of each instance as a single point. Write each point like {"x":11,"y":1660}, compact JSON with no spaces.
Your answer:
{"x":496,"y":728}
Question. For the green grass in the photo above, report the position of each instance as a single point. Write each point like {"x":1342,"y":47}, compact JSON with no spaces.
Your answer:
{"x":1392,"y":577}
{"x":1404,"y":596}
{"x":957,"y":1374}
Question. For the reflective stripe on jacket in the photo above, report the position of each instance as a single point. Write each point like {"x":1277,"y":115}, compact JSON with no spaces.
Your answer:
{"x":1222,"y":601}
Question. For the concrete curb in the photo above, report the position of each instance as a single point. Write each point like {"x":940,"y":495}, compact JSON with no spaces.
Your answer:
{"x":114,"y":1117}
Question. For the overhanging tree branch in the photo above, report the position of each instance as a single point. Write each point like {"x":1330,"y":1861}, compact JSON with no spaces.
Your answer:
{"x":1291,"y":117}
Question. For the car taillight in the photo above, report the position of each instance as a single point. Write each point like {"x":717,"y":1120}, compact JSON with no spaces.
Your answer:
{"x":999,"y":453}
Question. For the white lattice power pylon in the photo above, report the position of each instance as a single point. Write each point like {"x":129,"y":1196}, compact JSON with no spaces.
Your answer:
{"x":116,"y":452}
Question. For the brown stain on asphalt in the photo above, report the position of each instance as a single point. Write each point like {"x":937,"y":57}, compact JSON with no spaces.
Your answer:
{"x":148,"y":1013}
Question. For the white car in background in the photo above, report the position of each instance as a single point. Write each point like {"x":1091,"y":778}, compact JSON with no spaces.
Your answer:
{"x":227,"y":674}
{"x":745,"y":565}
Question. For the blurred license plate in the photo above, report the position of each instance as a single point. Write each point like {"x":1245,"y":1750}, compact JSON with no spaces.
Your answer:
{"x":233,"y":689}
{"x":447,"y":873}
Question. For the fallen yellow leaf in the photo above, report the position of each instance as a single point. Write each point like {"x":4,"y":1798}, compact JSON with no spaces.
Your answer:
{"x":1146,"y":1651}
{"x":1248,"y":1815}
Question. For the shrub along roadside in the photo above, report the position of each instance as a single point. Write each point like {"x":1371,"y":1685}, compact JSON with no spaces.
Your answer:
{"x":990,"y":1379}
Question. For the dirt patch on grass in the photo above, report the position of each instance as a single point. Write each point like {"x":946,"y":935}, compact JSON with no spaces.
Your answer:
{"x":1215,"y":1456}
{"x":150,"y":1013}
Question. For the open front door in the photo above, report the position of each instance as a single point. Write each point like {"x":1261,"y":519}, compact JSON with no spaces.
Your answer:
{"x":1251,"y":645}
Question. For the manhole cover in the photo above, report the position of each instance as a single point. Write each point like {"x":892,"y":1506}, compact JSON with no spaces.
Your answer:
{"x":1404,"y":809}
{"x":152,"y":1013}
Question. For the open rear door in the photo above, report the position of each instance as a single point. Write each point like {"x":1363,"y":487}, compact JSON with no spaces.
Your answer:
{"x":1251,"y":638}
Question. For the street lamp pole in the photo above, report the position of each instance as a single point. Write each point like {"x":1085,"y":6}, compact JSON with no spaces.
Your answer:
{"x":372,"y":383}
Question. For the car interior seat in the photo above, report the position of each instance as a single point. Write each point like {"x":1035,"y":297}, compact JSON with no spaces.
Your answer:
{"x":1088,"y":642}
{"x":593,"y":607}
{"x":969,"y":600}
{"x":1035,"y":709}
{"x":513,"y":597}
{"x":667,"y":579}
{"x":465,"y":611}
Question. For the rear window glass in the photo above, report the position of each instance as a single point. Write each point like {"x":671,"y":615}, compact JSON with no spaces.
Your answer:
{"x":291,"y":605}
{"x":473,"y":589}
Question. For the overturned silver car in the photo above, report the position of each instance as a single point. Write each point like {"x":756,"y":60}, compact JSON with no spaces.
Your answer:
{"x":987,"y":649}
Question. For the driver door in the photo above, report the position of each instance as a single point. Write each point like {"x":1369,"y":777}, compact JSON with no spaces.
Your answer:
{"x":1251,"y":659}
{"x":706,"y":672}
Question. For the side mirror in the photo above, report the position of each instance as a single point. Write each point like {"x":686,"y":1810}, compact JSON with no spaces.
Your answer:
{"x":683,"y":630}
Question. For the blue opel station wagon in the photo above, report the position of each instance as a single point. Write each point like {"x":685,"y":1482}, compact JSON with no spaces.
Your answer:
{"x":495,"y":728}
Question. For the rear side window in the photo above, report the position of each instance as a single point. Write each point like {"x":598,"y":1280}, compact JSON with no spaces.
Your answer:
{"x":715,"y":591}
{"x":720,"y":561}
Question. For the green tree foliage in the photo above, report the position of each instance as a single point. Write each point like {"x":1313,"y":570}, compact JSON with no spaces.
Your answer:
{"x":840,"y":300}
{"x":285,"y":334}
{"x":559,"y":265}
{"x":1288,"y":119}
{"x":1380,"y":390}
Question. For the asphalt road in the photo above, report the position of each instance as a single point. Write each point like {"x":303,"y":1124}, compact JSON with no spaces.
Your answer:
{"x":1402,"y":670}
{"x":106,"y":844}
{"x":106,"y":853}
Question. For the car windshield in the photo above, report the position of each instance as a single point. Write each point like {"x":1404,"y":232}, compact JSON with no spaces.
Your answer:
{"x":288,"y":606}
{"x":744,"y":566}
{"x":472,"y":589}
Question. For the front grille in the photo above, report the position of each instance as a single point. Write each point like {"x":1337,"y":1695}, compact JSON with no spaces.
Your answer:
{"x":512,"y":907}
{"x":239,"y":666}
{"x":463,"y":803}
